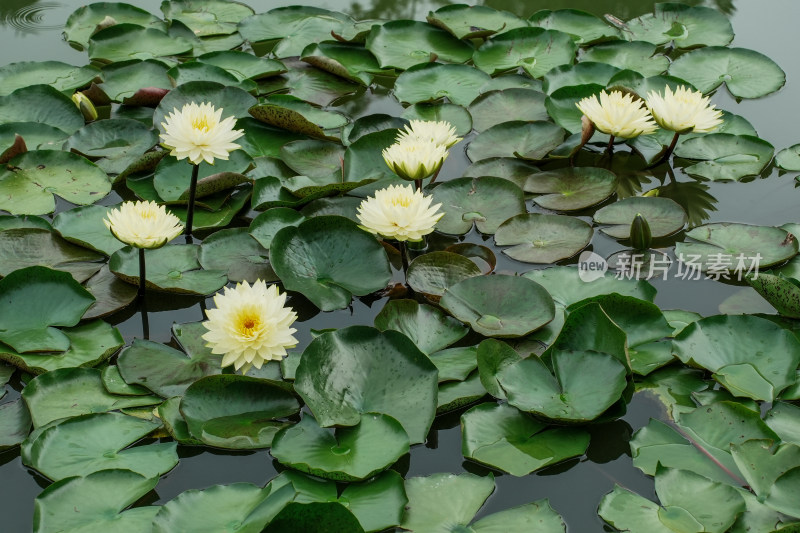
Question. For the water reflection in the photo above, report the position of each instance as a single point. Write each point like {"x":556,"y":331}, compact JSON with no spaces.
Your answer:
{"x":25,"y":16}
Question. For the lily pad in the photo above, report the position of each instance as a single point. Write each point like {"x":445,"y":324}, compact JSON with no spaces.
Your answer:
{"x":267,"y":224}
{"x":581,"y":386}
{"x":42,"y":104}
{"x":561,"y":105}
{"x":238,"y":254}
{"x":469,"y":22}
{"x":725,"y":156}
{"x":70,"y":392}
{"x":782,"y":292}
{"x":455,"y":364}
{"x":25,"y":247}
{"x":243,"y":65}
{"x":89,"y":344}
{"x":750,"y":356}
{"x":501,"y":436}
{"x":125,"y":41}
{"x":728,"y":247}
{"x":382,"y":372}
{"x":61,"y":76}
{"x":310,"y":84}
{"x":329,"y":259}
{"x":435,"y":272}
{"x":34,"y":300}
{"x":536,"y":50}
{"x":95,"y":502}
{"x":431,"y":506}
{"x":427,"y":82}
{"x":487,"y":202}
{"x":165,"y":370}
{"x":583,"y":73}
{"x":295,"y":115}
{"x":236,"y":412}
{"x":571,"y":188}
{"x":512,"y":169}
{"x":207,"y":17}
{"x":89,"y":443}
{"x":117,"y":143}
{"x":84,"y":21}
{"x":500,"y":306}
{"x":15,"y":423}
{"x":746,"y":73}
{"x":347,"y":60}
{"x":84,"y":226}
{"x":455,"y":395}
{"x":584,"y":27}
{"x":233,"y":101}
{"x":429,"y":328}
{"x":401,"y":44}
{"x":130,"y":82}
{"x":493,"y":107}
{"x":686,"y":26}
{"x":538,"y":238}
{"x":313,"y":158}
{"x":638,"y":56}
{"x":168,"y":269}
{"x":664,"y":216}
{"x":350,"y":454}
{"x":33,"y":177}
{"x":525,"y":140}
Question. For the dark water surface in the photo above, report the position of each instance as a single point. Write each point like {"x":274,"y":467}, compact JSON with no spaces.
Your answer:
{"x":31,"y":31}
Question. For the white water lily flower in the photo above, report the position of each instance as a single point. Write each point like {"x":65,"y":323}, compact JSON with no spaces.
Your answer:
{"x":684,"y":110}
{"x":250,"y":325}
{"x":197,"y":133}
{"x":399,"y":212}
{"x":143,"y":224}
{"x":415,"y":160}
{"x":618,"y":114}
{"x":441,"y":132}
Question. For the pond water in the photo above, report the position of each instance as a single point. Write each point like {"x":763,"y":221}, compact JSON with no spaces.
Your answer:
{"x":32,"y":31}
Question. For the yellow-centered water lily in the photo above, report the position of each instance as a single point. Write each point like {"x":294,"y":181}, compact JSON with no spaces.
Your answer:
{"x":413,"y":159}
{"x":618,"y":114}
{"x":399,"y":212}
{"x":684,"y":110}
{"x":441,"y":132}
{"x":197,"y":133}
{"x":143,"y":224}
{"x":250,"y":325}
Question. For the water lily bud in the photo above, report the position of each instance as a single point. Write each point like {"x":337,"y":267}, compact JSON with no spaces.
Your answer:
{"x":105,"y":23}
{"x":641,"y":238}
{"x":86,"y":106}
{"x":587,"y":129}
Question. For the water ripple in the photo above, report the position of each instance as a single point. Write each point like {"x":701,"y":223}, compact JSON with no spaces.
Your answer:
{"x":31,"y":18}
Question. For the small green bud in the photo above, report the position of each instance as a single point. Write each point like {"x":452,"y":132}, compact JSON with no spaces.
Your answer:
{"x":86,"y":106}
{"x":641,"y":238}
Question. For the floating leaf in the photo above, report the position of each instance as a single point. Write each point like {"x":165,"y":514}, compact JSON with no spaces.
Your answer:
{"x":207,"y":17}
{"x":382,"y":372}
{"x":538,"y":238}
{"x":41,"y":104}
{"x":493,"y":107}
{"x":84,"y":226}
{"x":427,"y":82}
{"x":118,"y":142}
{"x":561,"y":105}
{"x":430,"y":329}
{"x":27,"y":247}
{"x":638,"y":56}
{"x":526,"y":140}
{"x":782,"y":292}
{"x":431,"y":506}
{"x":686,"y":26}
{"x":127,"y":80}
{"x":84,"y":21}
{"x":512,"y":169}
{"x":125,"y":41}
{"x":725,"y":156}
{"x":61,"y":76}
{"x":664,"y":216}
{"x":435,"y":272}
{"x":310,"y":84}
{"x":469,"y":22}
{"x":487,"y":202}
{"x":583,"y":73}
{"x":536,"y":50}
{"x":15,"y":423}
{"x":243,"y":65}
{"x":235,"y":252}
{"x":401,"y":44}
{"x":291,"y":113}
{"x":571,"y":188}
{"x":347,"y":60}
{"x":458,"y":117}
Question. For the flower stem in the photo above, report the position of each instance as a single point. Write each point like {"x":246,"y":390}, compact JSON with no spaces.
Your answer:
{"x":669,"y":151}
{"x":190,"y":208}
{"x":418,"y":184}
{"x":436,"y":175}
{"x":142,"y":279}
{"x":610,"y":146}
{"x":403,"y":255}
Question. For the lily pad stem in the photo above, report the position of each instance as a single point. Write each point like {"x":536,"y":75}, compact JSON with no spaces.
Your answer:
{"x":403,"y":255}
{"x":190,"y":208}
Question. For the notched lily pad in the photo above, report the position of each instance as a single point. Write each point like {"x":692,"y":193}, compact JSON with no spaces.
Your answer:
{"x":664,"y":216}
{"x":525,"y":140}
{"x":571,"y":188}
{"x":401,"y":44}
{"x":487,"y":202}
{"x":536,"y":50}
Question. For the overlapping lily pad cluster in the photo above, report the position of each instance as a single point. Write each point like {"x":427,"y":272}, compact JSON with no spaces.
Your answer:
{"x":538,"y":356}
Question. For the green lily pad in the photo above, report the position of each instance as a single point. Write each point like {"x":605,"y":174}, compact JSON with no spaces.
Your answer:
{"x":503,"y":437}
{"x":583,"y":73}
{"x":238,"y":507}
{"x":782,"y":292}
{"x":222,"y":217}
{"x":61,"y":76}
{"x":746,"y":73}
{"x":33,"y":177}
{"x":70,"y":392}
{"x":36,"y":136}
{"x":267,"y":224}
{"x":95,"y":503}
{"x":243,"y":65}
{"x":725,"y":156}
{"x":23,"y":222}
{"x":42,"y":104}
{"x":401,"y":44}
{"x":493,"y":107}
{"x":428,"y":82}
{"x":236,"y":412}
{"x":262,"y":141}
{"x":458,"y":117}
{"x":113,"y":383}
{"x":686,"y":26}
{"x":581,"y":386}
{"x":350,"y":454}
{"x":84,"y":21}
{"x":571,"y":188}
{"x":15,"y":423}
{"x":295,"y":115}
{"x":347,"y":60}
{"x":118,"y":143}
{"x":525,"y":140}
{"x":167,"y":371}
{"x":487,"y":202}
{"x":329,"y":259}
{"x":25,"y":247}
{"x":469,"y":22}
{"x":750,"y":356}
{"x":561,"y":105}
{"x":454,"y":395}
{"x":238,"y":254}
{"x":512,"y":169}
{"x":310,"y":84}
{"x":195,"y":71}
{"x":588,"y":327}
{"x":538,"y":238}
{"x":584,"y":27}
{"x":435,"y":272}
{"x":431,"y":506}
{"x":664,"y":216}
{"x":493,"y":356}
{"x":313,"y":158}
{"x":429,"y":328}
{"x":316,"y":517}
{"x":455,"y":364}
{"x":500,"y":306}
{"x":34,"y":300}
{"x":84,"y":226}
{"x":207,"y":17}
{"x":89,"y":344}
{"x":638,"y":56}
{"x":539,"y":513}
{"x":170,"y":269}
{"x":128,"y":81}
{"x":727,"y":247}
{"x":789,"y":158}
{"x":536,"y":50}
{"x":382,"y":372}
{"x":89,"y":443}
{"x":125,"y":41}
{"x":233,"y":101}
